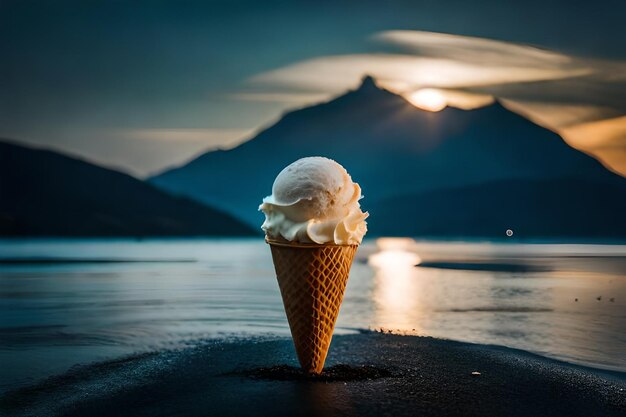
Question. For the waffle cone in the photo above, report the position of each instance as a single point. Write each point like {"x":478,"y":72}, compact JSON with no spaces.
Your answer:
{"x":312,"y":281}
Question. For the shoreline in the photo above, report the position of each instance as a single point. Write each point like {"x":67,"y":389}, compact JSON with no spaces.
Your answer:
{"x":406,"y":375}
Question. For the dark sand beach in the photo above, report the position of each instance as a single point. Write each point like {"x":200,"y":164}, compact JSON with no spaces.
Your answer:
{"x":369,"y":374}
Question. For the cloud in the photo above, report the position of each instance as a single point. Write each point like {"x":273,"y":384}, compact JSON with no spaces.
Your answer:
{"x":561,"y":92}
{"x":605,"y":139}
{"x":427,"y":60}
{"x":469,"y":49}
{"x":210,"y":138}
{"x":401,"y":73}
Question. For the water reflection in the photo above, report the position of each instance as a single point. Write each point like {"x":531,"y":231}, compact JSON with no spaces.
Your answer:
{"x":547,"y":303}
{"x":396,"y":293}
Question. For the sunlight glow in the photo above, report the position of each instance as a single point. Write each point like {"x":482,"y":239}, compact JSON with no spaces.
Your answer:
{"x":428,"y":99}
{"x":392,"y":260}
{"x":395,"y":290}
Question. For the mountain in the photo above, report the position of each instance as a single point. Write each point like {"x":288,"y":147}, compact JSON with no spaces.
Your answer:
{"x":392,"y":149}
{"x":43,"y":193}
{"x":566,"y":207}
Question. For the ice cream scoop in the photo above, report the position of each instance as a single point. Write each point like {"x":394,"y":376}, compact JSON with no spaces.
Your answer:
{"x":314,"y":200}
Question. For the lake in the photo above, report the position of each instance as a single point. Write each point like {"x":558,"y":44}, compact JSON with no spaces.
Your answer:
{"x":71,"y":302}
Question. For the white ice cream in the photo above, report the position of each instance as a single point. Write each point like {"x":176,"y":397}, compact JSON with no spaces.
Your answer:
{"x":314,"y":201}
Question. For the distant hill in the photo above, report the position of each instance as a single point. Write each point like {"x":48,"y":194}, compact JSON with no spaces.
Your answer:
{"x":43,"y":193}
{"x":395,"y":149}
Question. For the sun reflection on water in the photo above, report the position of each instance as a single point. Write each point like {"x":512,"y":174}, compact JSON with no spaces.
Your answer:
{"x":395,"y":292}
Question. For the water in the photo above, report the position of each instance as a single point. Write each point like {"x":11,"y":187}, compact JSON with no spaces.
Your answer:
{"x":79,"y":301}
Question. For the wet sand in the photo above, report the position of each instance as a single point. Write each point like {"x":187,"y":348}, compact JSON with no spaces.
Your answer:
{"x":368,"y":374}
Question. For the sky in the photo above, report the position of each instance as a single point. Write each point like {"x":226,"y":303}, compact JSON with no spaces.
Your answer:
{"x":145,"y":85}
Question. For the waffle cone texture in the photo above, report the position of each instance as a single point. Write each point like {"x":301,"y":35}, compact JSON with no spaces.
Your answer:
{"x":312,"y":281}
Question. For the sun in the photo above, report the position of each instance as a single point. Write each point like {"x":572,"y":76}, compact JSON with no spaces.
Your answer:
{"x":428,"y":99}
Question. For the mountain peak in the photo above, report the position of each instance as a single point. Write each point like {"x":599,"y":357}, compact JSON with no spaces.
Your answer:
{"x":368,"y":83}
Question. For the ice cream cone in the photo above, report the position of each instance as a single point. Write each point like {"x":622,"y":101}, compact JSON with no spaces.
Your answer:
{"x":312,"y":280}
